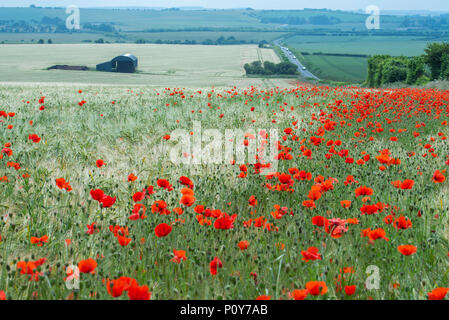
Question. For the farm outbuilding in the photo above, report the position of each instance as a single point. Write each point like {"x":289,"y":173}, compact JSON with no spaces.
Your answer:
{"x":126,"y":63}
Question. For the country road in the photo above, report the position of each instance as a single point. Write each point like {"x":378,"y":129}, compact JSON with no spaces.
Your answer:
{"x":291,"y":57}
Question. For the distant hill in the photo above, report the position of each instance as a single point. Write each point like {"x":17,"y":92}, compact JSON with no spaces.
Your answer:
{"x":414,"y":12}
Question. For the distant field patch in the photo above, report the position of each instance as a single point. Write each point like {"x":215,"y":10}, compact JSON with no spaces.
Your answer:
{"x":349,"y":69}
{"x":151,"y":37}
{"x":396,"y":46}
{"x":33,"y":38}
{"x":159,"y":65}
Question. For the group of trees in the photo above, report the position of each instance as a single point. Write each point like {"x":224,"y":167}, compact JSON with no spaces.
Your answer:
{"x":270,"y":68}
{"x":33,"y":26}
{"x":353,"y":55}
{"x":42,"y":41}
{"x":425,"y":22}
{"x":231,"y":40}
{"x":437,"y":58}
{"x":433,"y":65}
{"x":102,"y":27}
{"x":49,"y":25}
{"x":320,"y":19}
{"x":223,"y":41}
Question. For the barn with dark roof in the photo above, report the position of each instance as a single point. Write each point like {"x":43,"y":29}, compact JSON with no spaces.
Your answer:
{"x":126,"y":63}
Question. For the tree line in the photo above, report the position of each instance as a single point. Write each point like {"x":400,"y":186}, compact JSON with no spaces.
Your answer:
{"x":50,"y":25}
{"x":320,"y":19}
{"x":219,"y":41}
{"x":270,"y":68}
{"x":433,"y":65}
{"x":353,"y":55}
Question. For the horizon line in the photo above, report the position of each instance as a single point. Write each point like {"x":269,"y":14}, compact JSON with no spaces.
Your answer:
{"x":193,"y":8}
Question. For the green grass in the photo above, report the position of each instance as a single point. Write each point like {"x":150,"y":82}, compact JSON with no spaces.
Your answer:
{"x":131,"y":20}
{"x":348,"y":69}
{"x":396,"y":46}
{"x":127,"y":135}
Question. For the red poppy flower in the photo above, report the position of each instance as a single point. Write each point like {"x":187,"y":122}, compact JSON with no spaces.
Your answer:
{"x":407,"y":184}
{"x":316,"y":288}
{"x":285,"y":178}
{"x":186,"y":181}
{"x":345,"y":203}
{"x":309,"y":204}
{"x":319,"y":221}
{"x":162,"y":183}
{"x":62,"y":184}
{"x":97,"y":194}
{"x":363,"y":191}
{"x":162,"y":230}
{"x":299,"y":294}
{"x":136,"y":292}
{"x":311,"y":254}
{"x":225,"y":222}
{"x":402,"y":223}
{"x":30,"y":268}
{"x":214,"y":265}
{"x":39,"y":241}
{"x":243,"y":245}
{"x":7,"y":151}
{"x":252,"y":201}
{"x":437,"y":294}
{"x":87,"y":266}
{"x":187,"y":200}
{"x":119,"y":285}
{"x":180,"y":255}
{"x":407,"y":249}
{"x":369,"y":209}
{"x":99,"y":163}
{"x":438,"y":177}
{"x":34,"y":137}
{"x":350,"y":290}
{"x":91,"y":229}
{"x":108,"y":201}
{"x":139,"y":196}
{"x":160,"y":206}
{"x":123,"y":241}
{"x":377,"y":234}
{"x":138,"y":208}
{"x":199,"y":209}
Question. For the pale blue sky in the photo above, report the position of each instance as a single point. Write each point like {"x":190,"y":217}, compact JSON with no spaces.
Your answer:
{"x":434,"y":5}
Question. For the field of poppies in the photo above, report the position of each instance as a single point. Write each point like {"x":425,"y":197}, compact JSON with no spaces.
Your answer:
{"x":93,"y":208}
